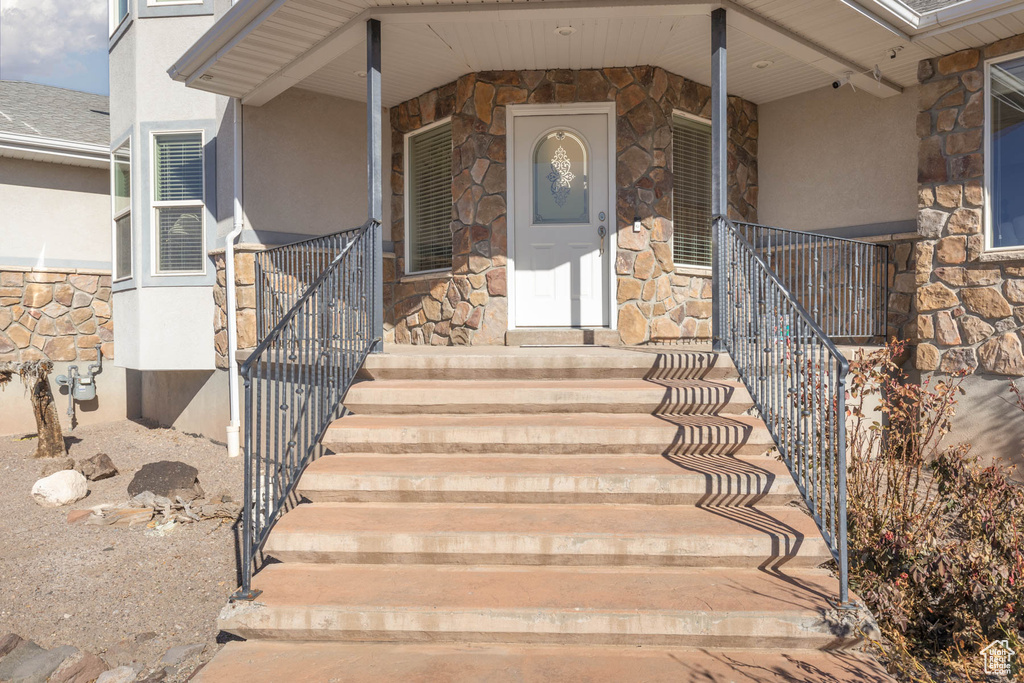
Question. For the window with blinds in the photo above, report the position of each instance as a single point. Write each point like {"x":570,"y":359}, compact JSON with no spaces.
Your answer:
{"x":178,"y":202}
{"x":691,"y":192}
{"x":121,"y":181}
{"x":429,"y":184}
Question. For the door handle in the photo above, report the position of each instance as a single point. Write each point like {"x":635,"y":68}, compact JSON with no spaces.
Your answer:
{"x":601,"y":233}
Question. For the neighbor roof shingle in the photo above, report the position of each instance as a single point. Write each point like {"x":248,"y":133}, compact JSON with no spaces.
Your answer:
{"x":49,"y":112}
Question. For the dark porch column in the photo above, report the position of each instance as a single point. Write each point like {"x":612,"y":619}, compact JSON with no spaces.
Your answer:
{"x":719,"y":165}
{"x":374,"y":187}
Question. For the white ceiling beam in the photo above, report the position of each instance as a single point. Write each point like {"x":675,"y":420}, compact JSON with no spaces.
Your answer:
{"x":798,"y":47}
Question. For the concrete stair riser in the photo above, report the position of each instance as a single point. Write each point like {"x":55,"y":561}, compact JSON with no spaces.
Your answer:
{"x":550,"y":433}
{"x":459,"y":397}
{"x":544,"y":364}
{"x":710,"y":481}
{"x":678,"y":607}
{"x":259,"y":662}
{"x":549,"y":535}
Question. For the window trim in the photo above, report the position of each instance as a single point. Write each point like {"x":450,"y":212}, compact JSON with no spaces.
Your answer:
{"x":113,"y":21}
{"x":407,"y":199}
{"x":116,"y":216}
{"x":155,"y":206}
{"x":686,"y":268}
{"x":170,"y":3}
{"x":994,"y":253}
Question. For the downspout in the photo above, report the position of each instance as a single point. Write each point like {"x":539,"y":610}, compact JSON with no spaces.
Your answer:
{"x":229,"y":279}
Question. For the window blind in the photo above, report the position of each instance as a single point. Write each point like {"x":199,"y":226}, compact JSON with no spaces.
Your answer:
{"x":178,"y":198}
{"x":179,"y":168}
{"x":430,"y":199}
{"x":691,"y":192}
{"x":179,"y":239}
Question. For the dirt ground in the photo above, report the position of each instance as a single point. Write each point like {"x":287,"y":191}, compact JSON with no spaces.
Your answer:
{"x":116,"y":592}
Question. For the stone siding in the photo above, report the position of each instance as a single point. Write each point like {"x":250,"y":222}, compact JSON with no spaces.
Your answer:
{"x":966,"y":310}
{"x":55,"y":315}
{"x":470,"y":304}
{"x":245,"y":299}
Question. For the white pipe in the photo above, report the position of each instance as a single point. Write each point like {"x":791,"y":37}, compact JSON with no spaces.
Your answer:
{"x":229,"y":279}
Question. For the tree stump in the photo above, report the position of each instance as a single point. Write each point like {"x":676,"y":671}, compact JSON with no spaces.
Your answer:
{"x":36,"y":377}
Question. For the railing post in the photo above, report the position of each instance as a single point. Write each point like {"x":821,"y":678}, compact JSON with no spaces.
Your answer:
{"x":375,"y":180}
{"x":719,"y":167}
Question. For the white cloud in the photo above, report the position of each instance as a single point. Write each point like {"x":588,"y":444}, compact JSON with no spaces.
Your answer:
{"x":45,"y":38}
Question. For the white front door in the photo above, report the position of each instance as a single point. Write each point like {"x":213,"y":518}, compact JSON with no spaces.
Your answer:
{"x":562,"y":219}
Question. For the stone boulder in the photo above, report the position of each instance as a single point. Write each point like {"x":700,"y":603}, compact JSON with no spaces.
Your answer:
{"x":98,"y":467}
{"x":85,"y":668}
{"x":61,"y":488}
{"x":167,"y":478}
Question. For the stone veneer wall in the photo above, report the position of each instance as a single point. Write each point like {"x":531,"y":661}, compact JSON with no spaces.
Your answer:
{"x":968,"y":309}
{"x":245,"y":299}
{"x":470,"y":305}
{"x":55,"y":315}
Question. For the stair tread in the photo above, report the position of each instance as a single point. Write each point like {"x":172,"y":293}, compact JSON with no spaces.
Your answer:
{"x":776,"y":524}
{"x":602,"y":421}
{"x":618,"y":384}
{"x":447,"y":588}
{"x":262,"y":661}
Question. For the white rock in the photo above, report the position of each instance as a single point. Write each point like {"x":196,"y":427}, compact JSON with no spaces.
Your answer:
{"x":122,"y":674}
{"x":60,"y":488}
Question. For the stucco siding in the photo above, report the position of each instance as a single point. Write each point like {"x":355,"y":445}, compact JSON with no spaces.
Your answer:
{"x":837,"y":158}
{"x":304,"y":164}
{"x":54,"y":215}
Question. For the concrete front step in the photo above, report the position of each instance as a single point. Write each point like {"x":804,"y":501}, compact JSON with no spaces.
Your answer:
{"x":709,"y":480}
{"x":418,"y":363}
{"x":550,"y":433}
{"x":550,"y":535}
{"x":269,"y":662}
{"x":461,"y":397}
{"x":687,"y":607}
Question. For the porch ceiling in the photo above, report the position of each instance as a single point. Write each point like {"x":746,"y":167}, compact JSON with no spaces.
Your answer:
{"x":262,"y":47}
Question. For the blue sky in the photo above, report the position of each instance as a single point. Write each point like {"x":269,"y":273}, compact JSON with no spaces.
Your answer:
{"x":55,"y":42}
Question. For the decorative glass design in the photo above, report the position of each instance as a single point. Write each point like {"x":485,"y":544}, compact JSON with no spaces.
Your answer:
{"x":560,"y":181}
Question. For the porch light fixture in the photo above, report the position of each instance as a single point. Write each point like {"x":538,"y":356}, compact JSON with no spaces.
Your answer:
{"x":565,"y":30}
{"x":762,"y":64}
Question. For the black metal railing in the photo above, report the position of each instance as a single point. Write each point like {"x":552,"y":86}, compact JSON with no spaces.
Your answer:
{"x":843,"y":283}
{"x":284,"y":273}
{"x":794,"y":373}
{"x":298,"y":374}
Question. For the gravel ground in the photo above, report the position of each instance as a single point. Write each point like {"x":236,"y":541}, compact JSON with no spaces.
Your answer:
{"x":111,"y":591}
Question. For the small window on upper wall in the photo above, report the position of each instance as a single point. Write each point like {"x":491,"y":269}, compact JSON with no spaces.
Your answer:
{"x":1004,"y":158}
{"x":121,"y":192}
{"x":118,"y":13}
{"x":429,"y":199}
{"x":691,"y":192}
{"x":178,"y":203}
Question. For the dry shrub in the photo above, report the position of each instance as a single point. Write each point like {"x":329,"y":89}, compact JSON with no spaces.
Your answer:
{"x":935,"y":539}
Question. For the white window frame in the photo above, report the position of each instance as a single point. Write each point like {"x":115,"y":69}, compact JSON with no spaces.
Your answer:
{"x":406,"y":184}
{"x":115,"y":215}
{"x":114,"y":21}
{"x":155,"y":205}
{"x":684,"y":267}
{"x":1014,"y":250}
{"x":167,"y":3}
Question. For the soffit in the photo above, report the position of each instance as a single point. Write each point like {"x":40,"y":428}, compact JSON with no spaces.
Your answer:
{"x":318,"y":44}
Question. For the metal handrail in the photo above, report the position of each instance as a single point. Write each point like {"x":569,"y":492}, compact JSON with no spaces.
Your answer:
{"x":297,"y":376}
{"x":843,"y":283}
{"x":795,"y":375}
{"x":283,"y":273}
